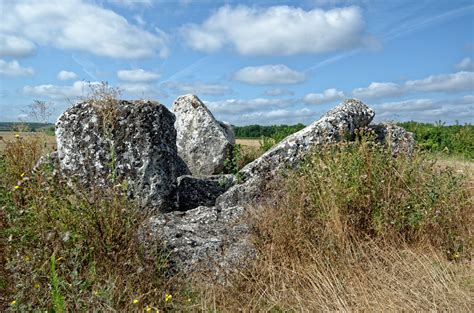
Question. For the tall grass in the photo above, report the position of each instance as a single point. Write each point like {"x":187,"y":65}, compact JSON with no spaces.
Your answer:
{"x":354,"y":229}
{"x":351,"y":229}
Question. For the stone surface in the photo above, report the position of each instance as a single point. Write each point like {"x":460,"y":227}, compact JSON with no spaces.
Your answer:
{"x":217,"y":239}
{"x":194,"y":192}
{"x":203,"y":239}
{"x":397,"y":138}
{"x":203,"y":142}
{"x":140,"y":148}
{"x":335,"y":125}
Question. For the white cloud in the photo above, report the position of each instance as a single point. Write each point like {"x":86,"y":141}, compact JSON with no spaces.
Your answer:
{"x":235,"y":106}
{"x":138,"y":75}
{"x":277,"y":30}
{"x":328,"y":95}
{"x":377,"y":90}
{"x":65,"y":75}
{"x":13,"y":46}
{"x":427,"y":110}
{"x":269,"y":75}
{"x":77,"y":89}
{"x":275,"y":92}
{"x":459,"y":81}
{"x":466,"y":64}
{"x":78,"y":25}
{"x":277,"y":116}
{"x":408,"y":106}
{"x":198,"y":88}
{"x":13,"y":68}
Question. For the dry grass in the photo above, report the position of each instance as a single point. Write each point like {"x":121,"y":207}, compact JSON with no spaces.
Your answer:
{"x":50,"y":141}
{"x":254,"y":143}
{"x":322,"y":246}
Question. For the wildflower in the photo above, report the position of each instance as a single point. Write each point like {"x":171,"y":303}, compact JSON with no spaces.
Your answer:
{"x":22,"y":174}
{"x":148,"y":309}
{"x":17,"y":136}
{"x":189,"y":300}
{"x":17,"y":187}
{"x":135,"y":301}
{"x":26,"y":258}
{"x":13,"y":302}
{"x":168,"y":297}
{"x":37,"y":286}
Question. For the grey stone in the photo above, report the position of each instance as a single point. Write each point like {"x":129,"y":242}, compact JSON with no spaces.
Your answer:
{"x":395,"y":137}
{"x":218,"y":239}
{"x":203,"y":239}
{"x":203,"y":142}
{"x":139,"y":148}
{"x":335,"y":125}
{"x":194,"y":192}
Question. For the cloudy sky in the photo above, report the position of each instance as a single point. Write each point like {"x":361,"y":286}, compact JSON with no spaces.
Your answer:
{"x":259,"y":61}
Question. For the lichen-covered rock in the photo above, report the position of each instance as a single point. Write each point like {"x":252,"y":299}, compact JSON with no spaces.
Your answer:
{"x":395,"y":137}
{"x":217,"y":239}
{"x":203,"y":142}
{"x":335,"y":125}
{"x":203,"y":239}
{"x":140,"y":148}
{"x":194,"y":192}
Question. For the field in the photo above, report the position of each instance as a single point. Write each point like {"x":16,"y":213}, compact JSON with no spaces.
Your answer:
{"x":249,"y":142}
{"x":12,"y":136}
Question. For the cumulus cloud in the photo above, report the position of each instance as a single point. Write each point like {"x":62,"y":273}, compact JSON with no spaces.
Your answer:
{"x":275,"y":92}
{"x":326,"y":96}
{"x":14,"y":46}
{"x":199,"y":88}
{"x":13,"y":68}
{"x":65,"y":75}
{"x":269,"y":75}
{"x":445,"y":82}
{"x":138,"y":75}
{"x":466,"y":64}
{"x":77,"y":89}
{"x":428,"y":110}
{"x":76,"y":25}
{"x":236,"y":106}
{"x":277,"y":30}
{"x":378,"y":90}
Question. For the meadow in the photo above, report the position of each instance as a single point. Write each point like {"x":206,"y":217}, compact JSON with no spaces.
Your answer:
{"x":352,"y":230}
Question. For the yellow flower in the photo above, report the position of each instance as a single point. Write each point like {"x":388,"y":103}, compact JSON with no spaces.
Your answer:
{"x":135,"y":301}
{"x":168,"y":297}
{"x":37,"y":286}
{"x":148,"y":309}
{"x":189,"y":300}
{"x":26,"y":258}
{"x":17,"y":187}
{"x":17,"y":136}
{"x":13,"y":302}
{"x":22,"y":174}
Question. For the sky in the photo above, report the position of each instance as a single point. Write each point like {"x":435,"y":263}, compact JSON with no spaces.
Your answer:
{"x":251,"y":62}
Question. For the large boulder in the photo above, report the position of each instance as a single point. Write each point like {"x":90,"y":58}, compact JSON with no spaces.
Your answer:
{"x":203,"y":143}
{"x":217,"y":239}
{"x":194,"y":192}
{"x":137,"y":146}
{"x":337,"y":124}
{"x":203,"y":239}
{"x":395,"y":137}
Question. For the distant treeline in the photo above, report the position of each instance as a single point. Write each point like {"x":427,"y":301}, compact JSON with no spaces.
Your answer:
{"x":452,"y":139}
{"x":16,"y":126}
{"x":276,"y":132}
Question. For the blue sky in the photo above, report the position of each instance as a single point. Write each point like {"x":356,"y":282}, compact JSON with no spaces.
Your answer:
{"x":251,"y":62}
